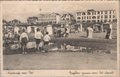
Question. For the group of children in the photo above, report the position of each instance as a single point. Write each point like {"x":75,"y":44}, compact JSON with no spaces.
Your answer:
{"x":39,"y":37}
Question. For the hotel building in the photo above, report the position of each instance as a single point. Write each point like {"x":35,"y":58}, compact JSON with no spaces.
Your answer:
{"x":95,"y":16}
{"x":53,"y":18}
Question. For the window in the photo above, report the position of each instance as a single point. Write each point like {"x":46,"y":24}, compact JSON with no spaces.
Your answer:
{"x":109,"y":16}
{"x":83,"y":13}
{"x":93,"y":17}
{"x":78,"y":18}
{"x":98,"y":12}
{"x":106,"y":16}
{"x":105,"y":12}
{"x":113,"y":16}
{"x":105,"y":20}
{"x":110,"y":12}
{"x":101,"y":12}
{"x":101,"y":16}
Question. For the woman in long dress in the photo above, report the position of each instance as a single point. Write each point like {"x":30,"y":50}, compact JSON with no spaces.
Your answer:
{"x":90,"y":32}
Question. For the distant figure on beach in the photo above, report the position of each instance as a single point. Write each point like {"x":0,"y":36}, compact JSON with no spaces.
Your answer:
{"x":87,"y":32}
{"x":108,"y":33}
{"x":90,"y":32}
{"x":29,"y":29}
{"x":59,"y":32}
{"x":16,"y":30}
{"x":67,"y":31}
{"x":10,"y":34}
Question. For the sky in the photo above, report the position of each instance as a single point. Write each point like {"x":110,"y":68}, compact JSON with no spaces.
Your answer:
{"x":22,"y":9}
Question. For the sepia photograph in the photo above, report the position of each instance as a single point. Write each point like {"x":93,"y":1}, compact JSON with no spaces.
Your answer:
{"x":59,"y":35}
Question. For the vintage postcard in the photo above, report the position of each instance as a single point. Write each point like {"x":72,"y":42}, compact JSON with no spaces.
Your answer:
{"x":62,"y":38}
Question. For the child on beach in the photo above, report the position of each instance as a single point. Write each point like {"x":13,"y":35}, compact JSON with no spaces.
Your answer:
{"x":46,"y":40}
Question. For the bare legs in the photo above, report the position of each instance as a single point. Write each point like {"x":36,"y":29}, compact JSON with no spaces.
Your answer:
{"x":23,"y":49}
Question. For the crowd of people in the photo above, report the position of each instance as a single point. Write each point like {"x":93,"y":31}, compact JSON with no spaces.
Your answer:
{"x":41,"y":36}
{"x":22,"y":37}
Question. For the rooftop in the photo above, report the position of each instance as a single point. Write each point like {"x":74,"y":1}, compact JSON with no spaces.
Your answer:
{"x":95,"y":10}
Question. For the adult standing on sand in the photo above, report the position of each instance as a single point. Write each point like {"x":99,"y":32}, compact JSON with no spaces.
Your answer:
{"x":108,"y":34}
{"x":38,"y":38}
{"x":46,"y":40}
{"x":90,"y":32}
{"x":24,"y":39}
